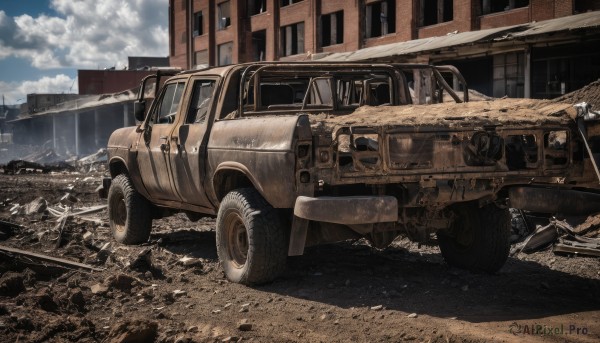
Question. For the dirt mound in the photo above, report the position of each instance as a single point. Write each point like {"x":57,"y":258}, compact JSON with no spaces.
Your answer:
{"x":589,"y":94}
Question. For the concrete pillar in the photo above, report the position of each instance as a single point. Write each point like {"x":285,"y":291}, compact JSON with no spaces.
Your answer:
{"x":125,"y":114}
{"x":527,"y":73}
{"x":54,"y":133}
{"x":77,"y":133}
{"x":97,"y":128}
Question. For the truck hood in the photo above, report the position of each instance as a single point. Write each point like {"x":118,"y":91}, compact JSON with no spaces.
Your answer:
{"x":123,"y":138}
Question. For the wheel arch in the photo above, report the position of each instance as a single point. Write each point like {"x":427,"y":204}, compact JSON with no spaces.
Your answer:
{"x":117,"y":166}
{"x":232,"y":175}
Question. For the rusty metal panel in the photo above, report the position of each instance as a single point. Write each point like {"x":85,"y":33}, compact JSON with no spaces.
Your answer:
{"x":262,"y":149}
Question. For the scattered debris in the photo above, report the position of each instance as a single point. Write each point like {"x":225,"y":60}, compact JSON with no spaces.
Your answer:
{"x":562,"y":235}
{"x":54,"y":260}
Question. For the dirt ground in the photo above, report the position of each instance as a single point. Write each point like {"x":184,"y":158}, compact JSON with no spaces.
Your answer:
{"x":173,"y":290}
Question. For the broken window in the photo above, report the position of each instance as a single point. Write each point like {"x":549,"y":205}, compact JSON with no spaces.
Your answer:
{"x":256,"y":7}
{"x":198,"y":27}
{"x":259,"y":45}
{"x":200,"y":104}
{"x":292,"y":39}
{"x":284,"y":3}
{"x":332,"y":28}
{"x":223,"y":15}
{"x":224,"y":53}
{"x":380,"y":18}
{"x":435,"y":12}
{"x":489,"y":6}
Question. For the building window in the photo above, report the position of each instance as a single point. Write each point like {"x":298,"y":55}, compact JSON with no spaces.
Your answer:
{"x":292,"y":39}
{"x":284,"y":3}
{"x":201,"y":57}
{"x":489,"y":6}
{"x":223,"y":15}
{"x":509,"y":75}
{"x":259,"y":45}
{"x":198,"y":24}
{"x":380,"y":18}
{"x":435,"y":12}
{"x":256,"y":7}
{"x":224,"y":54}
{"x":332,"y":28}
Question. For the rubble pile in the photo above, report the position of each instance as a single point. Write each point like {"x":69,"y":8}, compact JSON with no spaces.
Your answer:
{"x":589,"y":94}
{"x":47,"y":161}
{"x":64,"y":279}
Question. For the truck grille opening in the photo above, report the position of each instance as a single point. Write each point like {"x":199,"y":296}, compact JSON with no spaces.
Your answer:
{"x":521,"y":152}
{"x":556,"y":149}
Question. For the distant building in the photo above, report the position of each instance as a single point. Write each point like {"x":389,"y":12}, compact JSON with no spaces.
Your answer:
{"x":482,"y":41}
{"x":114,"y":81}
{"x":78,"y":124}
{"x":145,"y":63}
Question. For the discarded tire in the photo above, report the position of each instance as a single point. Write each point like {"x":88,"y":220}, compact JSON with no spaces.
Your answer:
{"x":130,"y":221}
{"x":251,"y":242}
{"x":479,"y":239}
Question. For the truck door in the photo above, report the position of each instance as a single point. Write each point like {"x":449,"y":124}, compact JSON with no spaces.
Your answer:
{"x":188,"y":145}
{"x":153,"y":154}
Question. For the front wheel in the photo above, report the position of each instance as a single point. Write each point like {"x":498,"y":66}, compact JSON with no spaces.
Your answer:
{"x":478,"y":240}
{"x":251,"y":241}
{"x":128,"y":212}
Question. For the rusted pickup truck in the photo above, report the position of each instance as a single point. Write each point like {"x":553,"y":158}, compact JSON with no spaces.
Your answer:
{"x":288,"y":155}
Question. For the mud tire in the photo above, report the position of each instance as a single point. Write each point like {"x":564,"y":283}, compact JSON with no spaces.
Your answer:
{"x":128,"y":212}
{"x":479,"y":239}
{"x":251,"y":240}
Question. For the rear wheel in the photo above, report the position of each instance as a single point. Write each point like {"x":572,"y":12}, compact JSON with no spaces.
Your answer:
{"x":251,"y":241}
{"x":128,"y":212}
{"x":479,"y":238}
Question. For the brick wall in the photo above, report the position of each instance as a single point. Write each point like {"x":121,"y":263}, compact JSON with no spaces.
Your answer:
{"x":507,"y":18}
{"x":466,"y":17}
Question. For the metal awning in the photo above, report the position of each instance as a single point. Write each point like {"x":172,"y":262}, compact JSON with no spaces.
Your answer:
{"x":521,"y":32}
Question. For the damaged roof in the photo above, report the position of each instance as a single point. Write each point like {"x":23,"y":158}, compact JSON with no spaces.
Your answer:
{"x":590,"y":20}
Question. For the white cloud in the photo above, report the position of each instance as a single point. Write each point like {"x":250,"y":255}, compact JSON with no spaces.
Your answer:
{"x":16,"y":92}
{"x":87,"y":33}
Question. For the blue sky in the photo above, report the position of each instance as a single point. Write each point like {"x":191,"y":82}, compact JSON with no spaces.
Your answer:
{"x":44,"y":42}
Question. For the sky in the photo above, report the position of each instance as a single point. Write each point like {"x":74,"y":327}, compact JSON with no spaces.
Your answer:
{"x":44,"y":42}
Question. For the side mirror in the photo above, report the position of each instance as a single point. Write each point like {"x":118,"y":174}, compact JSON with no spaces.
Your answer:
{"x":139,"y":110}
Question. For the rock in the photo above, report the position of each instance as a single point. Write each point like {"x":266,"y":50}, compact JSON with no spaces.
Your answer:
{"x":228,"y":305}
{"x":11,"y":284}
{"x":143,"y":260}
{"x":122,"y":282}
{"x":230,"y":339}
{"x":76,"y":298}
{"x":190,"y":261}
{"x":45,"y":301}
{"x":413,"y":315}
{"x":193,"y":329}
{"x":465,"y":288}
{"x":243,"y":325}
{"x":99,"y":289}
{"x":135,"y":331}
{"x":377,"y":308}
{"x":244,"y":308}
{"x":179,"y":293}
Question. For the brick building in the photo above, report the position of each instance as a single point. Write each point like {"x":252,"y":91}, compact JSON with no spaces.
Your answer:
{"x":217,"y":32}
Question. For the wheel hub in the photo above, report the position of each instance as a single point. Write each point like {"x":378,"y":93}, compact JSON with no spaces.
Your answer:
{"x":237,"y":240}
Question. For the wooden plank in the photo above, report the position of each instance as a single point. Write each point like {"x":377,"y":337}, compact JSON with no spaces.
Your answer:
{"x":55,"y":260}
